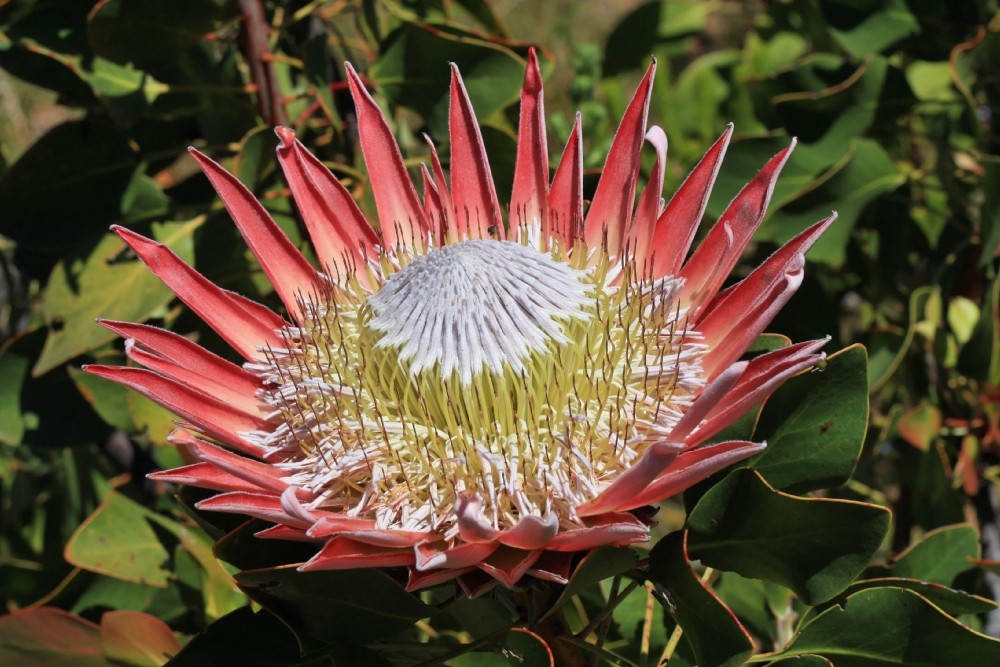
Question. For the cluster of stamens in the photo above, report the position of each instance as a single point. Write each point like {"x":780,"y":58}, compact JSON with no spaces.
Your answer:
{"x":531,"y":379}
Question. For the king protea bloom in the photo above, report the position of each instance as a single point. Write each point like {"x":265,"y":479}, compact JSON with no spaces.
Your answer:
{"x":466,"y":391}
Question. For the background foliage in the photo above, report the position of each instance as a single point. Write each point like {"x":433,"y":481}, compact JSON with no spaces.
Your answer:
{"x":894,"y":106}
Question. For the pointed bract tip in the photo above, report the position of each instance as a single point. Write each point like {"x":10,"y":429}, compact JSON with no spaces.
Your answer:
{"x":286,"y":136}
{"x":128,"y":235}
{"x":354,"y":79}
{"x":532,"y":74}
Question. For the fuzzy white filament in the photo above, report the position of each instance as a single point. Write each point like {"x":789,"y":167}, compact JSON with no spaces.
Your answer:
{"x":476,"y":303}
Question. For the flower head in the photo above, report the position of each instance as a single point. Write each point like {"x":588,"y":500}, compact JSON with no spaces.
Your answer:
{"x":462,"y":394}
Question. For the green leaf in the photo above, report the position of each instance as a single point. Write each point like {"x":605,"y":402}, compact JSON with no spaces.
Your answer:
{"x":802,"y":661}
{"x":143,"y":199}
{"x":256,"y":156}
{"x":149,"y":34}
{"x":815,"y":424}
{"x":217,"y":586}
{"x":630,"y":617}
{"x":353,"y":606}
{"x":150,"y":418}
{"x":14,"y":371}
{"x":950,"y":600}
{"x":991,"y":210}
{"x":107,"y":398}
{"x":137,"y":639}
{"x":124,"y":91}
{"x":33,"y":44}
{"x":67,"y":186}
{"x":867,"y":172}
{"x":931,"y":81}
{"x":106,"y":284}
{"x":980,"y":357}
{"x":118,"y":541}
{"x":892,"y":626}
{"x":710,"y":628}
{"x":755,"y":602}
{"x":43,"y":405}
{"x":935,"y":502}
{"x":486,"y":14}
{"x":518,"y":648}
{"x":411,"y":73}
{"x":641,"y":31}
{"x":112,"y":593}
{"x":595,"y":567}
{"x":49,"y":637}
{"x":816,"y":547}
{"x":246,"y":638}
{"x":882,"y":27}
{"x":941,"y":556}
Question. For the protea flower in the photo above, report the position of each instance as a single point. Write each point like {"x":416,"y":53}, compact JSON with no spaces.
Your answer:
{"x":463,"y":393}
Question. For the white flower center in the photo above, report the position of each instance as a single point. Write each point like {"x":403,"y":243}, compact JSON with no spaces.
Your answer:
{"x":476,"y":303}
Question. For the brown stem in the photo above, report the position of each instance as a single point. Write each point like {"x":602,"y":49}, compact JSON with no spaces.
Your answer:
{"x":269,"y":101}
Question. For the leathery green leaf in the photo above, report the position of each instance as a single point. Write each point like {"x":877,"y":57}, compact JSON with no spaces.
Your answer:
{"x":816,"y":547}
{"x":710,"y":628}
{"x":814,"y":425}
{"x":893,"y":626}
{"x":950,"y":600}
{"x":940,"y":556}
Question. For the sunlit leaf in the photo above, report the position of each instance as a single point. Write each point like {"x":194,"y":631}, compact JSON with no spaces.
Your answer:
{"x":117,"y":540}
{"x":110,"y":284}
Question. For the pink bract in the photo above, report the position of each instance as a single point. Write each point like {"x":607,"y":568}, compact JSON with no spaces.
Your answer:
{"x":464,"y":393}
